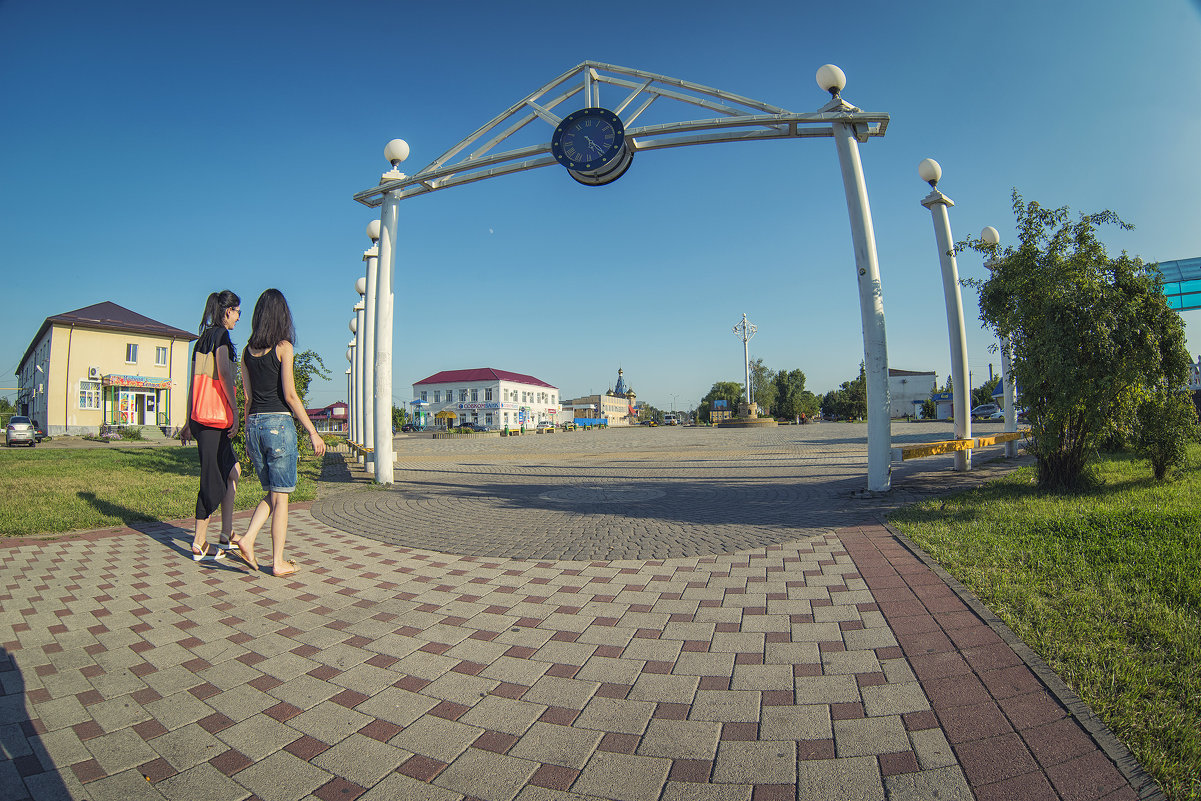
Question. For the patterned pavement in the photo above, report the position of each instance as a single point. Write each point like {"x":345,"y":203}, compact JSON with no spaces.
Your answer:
{"x":627,"y":615}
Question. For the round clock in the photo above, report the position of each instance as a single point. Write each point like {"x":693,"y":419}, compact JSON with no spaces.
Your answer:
{"x":591,"y":144}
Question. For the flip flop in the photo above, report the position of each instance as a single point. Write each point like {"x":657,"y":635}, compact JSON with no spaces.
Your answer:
{"x":289,"y":570}
{"x":200,"y":555}
{"x":235,"y":549}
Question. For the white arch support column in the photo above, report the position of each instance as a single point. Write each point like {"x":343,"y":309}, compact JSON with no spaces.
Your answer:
{"x":847,"y":135}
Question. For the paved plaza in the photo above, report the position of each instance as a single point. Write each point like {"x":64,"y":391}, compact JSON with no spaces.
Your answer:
{"x":671,"y":614}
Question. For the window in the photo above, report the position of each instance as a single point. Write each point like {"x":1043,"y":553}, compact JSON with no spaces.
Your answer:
{"x":437,"y":396}
{"x":89,"y":394}
{"x":475,"y":395}
{"x":487,"y":393}
{"x":160,"y":357}
{"x":462,"y":396}
{"x":488,"y":419}
{"x":423,"y":395}
{"x":131,"y":353}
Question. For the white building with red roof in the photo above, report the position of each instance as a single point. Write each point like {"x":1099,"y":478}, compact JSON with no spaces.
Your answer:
{"x":487,"y":397}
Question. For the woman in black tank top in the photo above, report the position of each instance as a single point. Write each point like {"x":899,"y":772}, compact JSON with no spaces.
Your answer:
{"x":272,"y":404}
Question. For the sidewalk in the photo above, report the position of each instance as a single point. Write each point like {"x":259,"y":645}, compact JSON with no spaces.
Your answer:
{"x":836,"y":666}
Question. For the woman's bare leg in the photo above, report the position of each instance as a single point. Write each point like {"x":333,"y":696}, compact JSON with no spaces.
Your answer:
{"x":279,"y":528}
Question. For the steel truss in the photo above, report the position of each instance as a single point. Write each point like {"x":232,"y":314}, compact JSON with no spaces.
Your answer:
{"x":740,"y":119}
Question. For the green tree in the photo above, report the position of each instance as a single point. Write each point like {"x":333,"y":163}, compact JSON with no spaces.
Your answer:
{"x":729,"y":391}
{"x":763,"y":387}
{"x":850,"y":399}
{"x":399,"y":418}
{"x":649,"y":412}
{"x":305,"y":367}
{"x":1095,"y":345}
{"x":929,"y":409}
{"x":792,"y":399}
{"x":983,"y":393}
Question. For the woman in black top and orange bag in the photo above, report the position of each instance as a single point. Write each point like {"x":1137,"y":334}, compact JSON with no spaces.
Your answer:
{"x":213,"y":420}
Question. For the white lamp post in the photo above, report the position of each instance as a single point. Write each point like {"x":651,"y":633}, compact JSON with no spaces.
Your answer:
{"x":350,"y":398}
{"x":395,"y":152}
{"x":362,"y":356}
{"x":1009,"y":386}
{"x":367,"y":354}
{"x":349,"y":394}
{"x":847,"y":136}
{"x":937,"y":203}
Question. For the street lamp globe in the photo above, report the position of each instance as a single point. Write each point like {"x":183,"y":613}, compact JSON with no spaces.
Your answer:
{"x":360,"y":285}
{"x":349,"y":355}
{"x":930,"y":171}
{"x":396,"y":151}
{"x":990,"y":235}
{"x":373,"y":230}
{"x":831,"y":78}
{"x":354,"y":325}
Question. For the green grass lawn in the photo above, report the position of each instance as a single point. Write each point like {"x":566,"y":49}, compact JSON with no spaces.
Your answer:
{"x":46,"y":490}
{"x":1105,"y":585}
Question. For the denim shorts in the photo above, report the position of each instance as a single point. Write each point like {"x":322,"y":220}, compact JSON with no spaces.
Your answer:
{"x":271,"y":443}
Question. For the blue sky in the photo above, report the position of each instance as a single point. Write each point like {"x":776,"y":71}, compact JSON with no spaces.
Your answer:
{"x":153,"y":152}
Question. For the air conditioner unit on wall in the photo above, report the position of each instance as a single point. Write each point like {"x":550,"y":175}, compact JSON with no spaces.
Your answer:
{"x":94,"y":372}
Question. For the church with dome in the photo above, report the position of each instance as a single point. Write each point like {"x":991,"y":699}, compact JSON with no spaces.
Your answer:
{"x":618,"y":406}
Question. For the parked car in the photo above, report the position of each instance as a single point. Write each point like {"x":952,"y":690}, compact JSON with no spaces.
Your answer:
{"x":407,"y":427}
{"x":546,"y":424}
{"x":982,"y":411}
{"x":998,"y":416}
{"x":472,"y":427}
{"x":20,"y":429}
{"x":38,"y":432}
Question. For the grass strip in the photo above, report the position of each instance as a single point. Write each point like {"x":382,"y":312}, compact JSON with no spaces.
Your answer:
{"x":1105,"y":585}
{"x":49,"y":491}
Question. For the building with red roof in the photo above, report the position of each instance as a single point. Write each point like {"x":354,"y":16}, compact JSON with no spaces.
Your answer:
{"x":484,"y":396}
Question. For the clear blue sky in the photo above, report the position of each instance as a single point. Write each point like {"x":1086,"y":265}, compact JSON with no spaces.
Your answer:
{"x":153,"y":152}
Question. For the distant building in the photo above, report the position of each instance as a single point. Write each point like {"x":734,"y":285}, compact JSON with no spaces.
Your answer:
{"x":104,"y":365}
{"x":330,"y":419}
{"x":908,"y":390}
{"x":486,"y":397}
{"x":617,"y":407}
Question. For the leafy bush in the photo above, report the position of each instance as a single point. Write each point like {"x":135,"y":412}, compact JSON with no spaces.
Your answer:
{"x":130,"y":433}
{"x":1167,"y":422}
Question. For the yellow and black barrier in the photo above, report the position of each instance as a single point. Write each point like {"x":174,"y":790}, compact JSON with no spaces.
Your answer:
{"x":951,"y":445}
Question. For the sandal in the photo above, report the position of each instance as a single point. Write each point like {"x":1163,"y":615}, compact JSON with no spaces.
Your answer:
{"x":235,"y":548}
{"x":287,"y":571}
{"x":201,"y":554}
{"x":226,"y":541}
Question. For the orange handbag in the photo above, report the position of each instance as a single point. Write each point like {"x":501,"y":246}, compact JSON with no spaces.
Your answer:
{"x":210,"y":406}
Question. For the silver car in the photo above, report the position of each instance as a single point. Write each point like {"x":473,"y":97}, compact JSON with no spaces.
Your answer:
{"x":20,"y":429}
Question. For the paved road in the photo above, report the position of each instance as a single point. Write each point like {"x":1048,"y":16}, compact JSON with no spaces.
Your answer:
{"x":629,"y":615}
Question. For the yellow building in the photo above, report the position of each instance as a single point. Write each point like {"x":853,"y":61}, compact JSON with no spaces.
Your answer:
{"x":105,"y":365}
{"x":617,"y":407}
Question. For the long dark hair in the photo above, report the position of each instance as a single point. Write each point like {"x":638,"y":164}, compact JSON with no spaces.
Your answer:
{"x":272,"y":321}
{"x":215,"y":308}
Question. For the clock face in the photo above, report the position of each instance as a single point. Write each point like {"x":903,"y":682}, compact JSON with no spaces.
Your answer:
{"x":588,"y":139}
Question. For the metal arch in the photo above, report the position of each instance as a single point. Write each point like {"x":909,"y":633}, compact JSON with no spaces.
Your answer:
{"x":743,"y":119}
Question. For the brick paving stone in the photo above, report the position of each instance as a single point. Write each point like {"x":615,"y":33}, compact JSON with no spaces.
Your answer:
{"x":673,"y":652}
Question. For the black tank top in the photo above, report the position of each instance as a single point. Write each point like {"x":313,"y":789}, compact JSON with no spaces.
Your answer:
{"x":265,"y":383}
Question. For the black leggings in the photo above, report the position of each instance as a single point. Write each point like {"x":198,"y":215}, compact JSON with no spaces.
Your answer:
{"x":217,"y":460}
